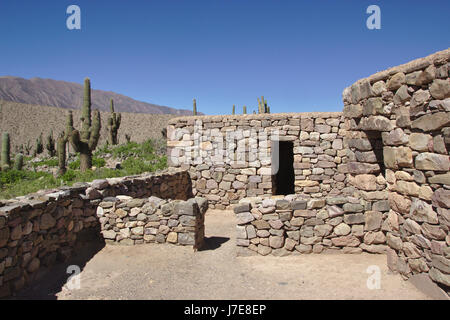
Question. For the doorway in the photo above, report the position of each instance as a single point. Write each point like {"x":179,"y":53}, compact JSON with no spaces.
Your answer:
{"x":283,"y":167}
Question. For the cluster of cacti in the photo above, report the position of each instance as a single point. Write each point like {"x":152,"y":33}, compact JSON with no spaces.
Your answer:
{"x":194,"y":108}
{"x":85,"y":141}
{"x":6,"y":151}
{"x":263,"y":106}
{"x":50,"y":144}
{"x":113,"y":125}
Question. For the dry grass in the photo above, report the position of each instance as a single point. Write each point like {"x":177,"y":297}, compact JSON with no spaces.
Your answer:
{"x":25,"y":122}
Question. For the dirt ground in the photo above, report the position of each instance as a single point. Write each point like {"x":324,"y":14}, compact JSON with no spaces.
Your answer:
{"x":175,"y":272}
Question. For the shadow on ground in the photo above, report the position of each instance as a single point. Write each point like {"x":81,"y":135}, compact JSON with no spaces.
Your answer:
{"x":211,"y":243}
{"x":50,"y":281}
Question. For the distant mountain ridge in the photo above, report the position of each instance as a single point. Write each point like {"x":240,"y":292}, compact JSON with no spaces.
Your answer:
{"x":69,"y":95}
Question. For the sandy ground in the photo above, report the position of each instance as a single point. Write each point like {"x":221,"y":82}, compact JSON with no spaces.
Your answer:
{"x":175,"y":272}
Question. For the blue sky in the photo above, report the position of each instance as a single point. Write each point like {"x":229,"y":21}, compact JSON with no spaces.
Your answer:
{"x":299,"y":54}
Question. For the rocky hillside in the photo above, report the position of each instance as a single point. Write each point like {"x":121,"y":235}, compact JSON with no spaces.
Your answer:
{"x":62,"y":94}
{"x":25,"y":122}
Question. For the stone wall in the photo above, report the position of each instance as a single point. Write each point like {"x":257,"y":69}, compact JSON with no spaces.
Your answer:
{"x":229,"y":157}
{"x":297,"y":224}
{"x":399,"y":141}
{"x":127,"y":220}
{"x":39,"y":229}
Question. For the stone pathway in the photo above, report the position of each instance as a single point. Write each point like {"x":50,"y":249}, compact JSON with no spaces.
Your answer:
{"x":174,"y":272}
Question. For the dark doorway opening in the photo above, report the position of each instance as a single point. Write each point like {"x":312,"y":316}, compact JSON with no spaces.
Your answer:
{"x":376,"y":142}
{"x":283,"y":168}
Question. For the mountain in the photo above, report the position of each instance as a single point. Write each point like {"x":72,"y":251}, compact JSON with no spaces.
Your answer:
{"x":69,"y":95}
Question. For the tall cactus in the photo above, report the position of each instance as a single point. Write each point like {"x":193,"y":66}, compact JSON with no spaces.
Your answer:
{"x":6,"y":151}
{"x":244,"y":110}
{"x":194,"y":110}
{"x":234,"y":109}
{"x":61,"y":150}
{"x":18,"y":162}
{"x":50,"y":144}
{"x":113,"y":125}
{"x":263,"y":106}
{"x":39,"y":145}
{"x":28,"y":148}
{"x":85,"y":141}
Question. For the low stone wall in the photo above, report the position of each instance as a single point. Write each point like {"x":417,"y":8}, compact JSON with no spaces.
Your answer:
{"x":39,"y":229}
{"x":230,"y":157}
{"x":294,"y":224}
{"x":399,"y":132}
{"x":129,"y":221}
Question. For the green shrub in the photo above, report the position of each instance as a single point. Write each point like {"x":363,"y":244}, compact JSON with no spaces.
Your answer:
{"x":69,"y":175}
{"x":75,"y":165}
{"x":52,"y":162}
{"x":96,"y":162}
{"x":139,"y":158}
{"x":15,"y":183}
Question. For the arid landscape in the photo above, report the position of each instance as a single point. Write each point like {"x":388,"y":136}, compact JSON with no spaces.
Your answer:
{"x":26,"y":122}
{"x":225,"y":150}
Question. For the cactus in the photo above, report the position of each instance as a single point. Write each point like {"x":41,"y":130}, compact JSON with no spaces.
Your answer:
{"x":266,"y":107}
{"x":50,"y":145}
{"x":128,"y":137}
{"x":244,"y":110}
{"x":28,"y":148}
{"x":262,"y":106}
{"x":194,"y":111}
{"x":6,"y":151}
{"x":113,"y":125}
{"x":61,"y":150}
{"x":234,"y":108}
{"x":85,"y":141}
{"x":39,"y":145}
{"x":18,"y":162}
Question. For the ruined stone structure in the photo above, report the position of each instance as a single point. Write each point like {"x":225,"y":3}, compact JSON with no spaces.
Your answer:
{"x":38,"y":230}
{"x":231,"y":157}
{"x":399,"y":132}
{"x":374,"y":178}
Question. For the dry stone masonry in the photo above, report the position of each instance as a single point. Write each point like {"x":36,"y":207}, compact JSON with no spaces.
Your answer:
{"x":373,"y":178}
{"x":40,"y":229}
{"x":399,"y":137}
{"x":229,"y":157}
{"x":296,"y":224}
{"x":129,"y":221}
{"x":387,"y":155}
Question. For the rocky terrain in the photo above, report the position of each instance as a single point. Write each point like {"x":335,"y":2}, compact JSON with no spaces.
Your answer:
{"x":25,"y":122}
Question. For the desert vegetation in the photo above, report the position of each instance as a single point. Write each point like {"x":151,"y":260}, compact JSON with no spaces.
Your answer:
{"x":75,"y":155}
